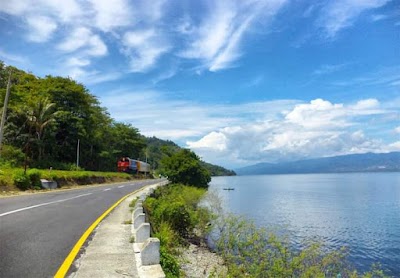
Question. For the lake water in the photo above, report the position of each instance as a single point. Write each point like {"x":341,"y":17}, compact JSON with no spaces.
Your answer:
{"x":359,"y":210}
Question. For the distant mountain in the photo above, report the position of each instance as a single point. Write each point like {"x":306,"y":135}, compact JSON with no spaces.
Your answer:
{"x":368,"y":162}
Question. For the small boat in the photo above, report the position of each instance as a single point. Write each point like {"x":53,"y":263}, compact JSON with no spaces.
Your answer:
{"x":229,"y":188}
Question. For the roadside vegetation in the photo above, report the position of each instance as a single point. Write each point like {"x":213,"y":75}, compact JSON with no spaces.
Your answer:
{"x":174,"y":212}
{"x":18,"y":179}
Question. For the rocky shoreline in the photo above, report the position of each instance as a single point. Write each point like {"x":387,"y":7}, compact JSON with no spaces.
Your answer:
{"x":198,"y":262}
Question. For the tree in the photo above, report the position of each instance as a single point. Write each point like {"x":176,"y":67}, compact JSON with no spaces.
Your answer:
{"x":41,"y":115}
{"x":185,"y":167}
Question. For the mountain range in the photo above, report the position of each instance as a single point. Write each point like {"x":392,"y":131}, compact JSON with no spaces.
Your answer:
{"x":368,"y":162}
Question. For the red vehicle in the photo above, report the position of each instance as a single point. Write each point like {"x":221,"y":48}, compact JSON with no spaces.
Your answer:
{"x":125,"y":164}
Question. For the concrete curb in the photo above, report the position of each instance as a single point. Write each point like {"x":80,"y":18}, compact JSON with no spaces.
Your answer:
{"x":146,"y":248}
{"x":109,"y":253}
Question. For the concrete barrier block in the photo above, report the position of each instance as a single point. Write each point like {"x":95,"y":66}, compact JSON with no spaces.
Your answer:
{"x":48,"y":184}
{"x":137,"y":211}
{"x":139,"y":220}
{"x":142,"y":233}
{"x":150,"y":253}
{"x":138,"y":204}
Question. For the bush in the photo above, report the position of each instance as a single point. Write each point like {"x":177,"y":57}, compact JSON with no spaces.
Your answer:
{"x":21,"y":180}
{"x":169,"y":263}
{"x":34,"y":178}
{"x":174,"y":215}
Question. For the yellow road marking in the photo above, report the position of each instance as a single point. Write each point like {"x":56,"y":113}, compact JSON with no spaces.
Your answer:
{"x":62,"y":271}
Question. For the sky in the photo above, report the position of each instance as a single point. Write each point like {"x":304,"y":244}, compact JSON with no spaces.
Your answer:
{"x":238,"y":82}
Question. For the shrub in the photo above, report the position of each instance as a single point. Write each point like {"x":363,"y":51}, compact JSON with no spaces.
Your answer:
{"x":169,"y":241}
{"x":21,"y":180}
{"x":34,"y":178}
{"x":169,"y":263}
{"x":173,"y":213}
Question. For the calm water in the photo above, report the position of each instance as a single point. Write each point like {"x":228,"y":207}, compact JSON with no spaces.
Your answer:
{"x":358,"y":210}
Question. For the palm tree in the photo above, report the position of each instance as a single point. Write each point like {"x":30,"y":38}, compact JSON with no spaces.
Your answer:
{"x":39,"y":116}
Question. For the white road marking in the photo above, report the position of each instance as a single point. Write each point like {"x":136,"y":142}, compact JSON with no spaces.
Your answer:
{"x":121,"y":186}
{"x":43,"y":204}
{"x":107,"y":189}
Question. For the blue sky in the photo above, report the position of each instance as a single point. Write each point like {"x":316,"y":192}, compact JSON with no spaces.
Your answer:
{"x":238,"y":82}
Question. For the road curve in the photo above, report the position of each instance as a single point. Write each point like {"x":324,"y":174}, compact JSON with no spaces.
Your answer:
{"x":38,"y":231}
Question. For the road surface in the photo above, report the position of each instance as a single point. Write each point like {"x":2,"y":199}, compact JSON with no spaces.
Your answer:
{"x":38,"y":231}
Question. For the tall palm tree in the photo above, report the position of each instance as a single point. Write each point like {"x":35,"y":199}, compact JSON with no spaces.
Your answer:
{"x":39,"y":116}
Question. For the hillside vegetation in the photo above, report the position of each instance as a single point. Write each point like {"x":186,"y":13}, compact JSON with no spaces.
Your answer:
{"x":46,"y":117}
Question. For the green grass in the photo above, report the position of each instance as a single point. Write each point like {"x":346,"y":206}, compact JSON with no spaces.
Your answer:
{"x":62,"y":177}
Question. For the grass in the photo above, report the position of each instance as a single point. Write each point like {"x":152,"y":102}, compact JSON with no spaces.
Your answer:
{"x":62,"y":177}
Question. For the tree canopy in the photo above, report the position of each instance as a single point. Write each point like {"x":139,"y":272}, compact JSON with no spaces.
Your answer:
{"x":185,"y":167}
{"x":47,"y":116}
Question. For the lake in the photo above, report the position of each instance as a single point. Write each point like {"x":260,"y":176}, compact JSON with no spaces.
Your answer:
{"x":358,"y":210}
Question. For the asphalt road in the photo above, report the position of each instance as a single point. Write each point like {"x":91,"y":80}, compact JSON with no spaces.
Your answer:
{"x":38,"y":231}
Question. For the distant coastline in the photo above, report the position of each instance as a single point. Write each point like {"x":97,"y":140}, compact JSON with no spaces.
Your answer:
{"x":368,"y":162}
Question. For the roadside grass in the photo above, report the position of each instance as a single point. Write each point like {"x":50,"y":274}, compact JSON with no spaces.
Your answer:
{"x":13,"y":179}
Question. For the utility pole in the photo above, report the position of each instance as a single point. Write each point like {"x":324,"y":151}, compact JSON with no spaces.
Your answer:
{"x":3,"y":116}
{"x":77,"y":156}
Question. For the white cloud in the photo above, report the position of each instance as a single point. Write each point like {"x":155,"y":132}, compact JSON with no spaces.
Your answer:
{"x":397,"y":130}
{"x":316,"y":129}
{"x":82,"y":45}
{"x":111,"y":14}
{"x":41,"y":28}
{"x":75,"y":40}
{"x":83,"y":38}
{"x":96,"y":46}
{"x":144,"y":48}
{"x":394,"y":147}
{"x":366,"y":104}
{"x":77,"y":62}
{"x":216,"y":41}
{"x":63,"y":10}
{"x":317,"y":114}
{"x":215,"y":139}
{"x":341,"y":14}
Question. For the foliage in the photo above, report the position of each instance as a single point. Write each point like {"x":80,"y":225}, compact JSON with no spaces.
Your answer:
{"x":174,"y":214}
{"x":12,"y":156}
{"x":169,"y":263}
{"x":34,"y":178}
{"x":254,"y":252}
{"x":46,"y":117}
{"x":15,"y":176}
{"x":21,"y":180}
{"x":216,"y":170}
{"x":185,"y":167}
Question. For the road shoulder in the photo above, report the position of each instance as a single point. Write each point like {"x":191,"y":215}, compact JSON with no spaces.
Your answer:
{"x":110,"y":253}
